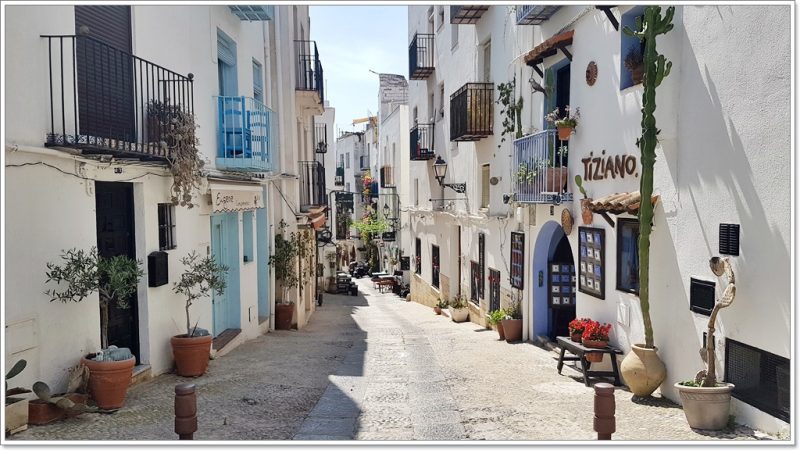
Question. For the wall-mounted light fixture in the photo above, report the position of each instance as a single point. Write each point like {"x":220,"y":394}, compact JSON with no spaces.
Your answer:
{"x":440,"y":170}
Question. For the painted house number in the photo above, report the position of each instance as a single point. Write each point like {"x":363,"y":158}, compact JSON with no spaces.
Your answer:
{"x":604,"y":167}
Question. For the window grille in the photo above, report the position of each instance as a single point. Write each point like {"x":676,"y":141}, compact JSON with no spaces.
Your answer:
{"x":166,"y":227}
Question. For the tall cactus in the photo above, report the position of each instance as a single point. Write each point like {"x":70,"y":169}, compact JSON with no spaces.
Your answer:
{"x":656,"y":68}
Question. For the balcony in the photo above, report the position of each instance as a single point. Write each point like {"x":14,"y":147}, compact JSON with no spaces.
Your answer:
{"x":373,"y":189}
{"x":471,"y":109}
{"x":312,"y":185}
{"x":320,"y":138}
{"x":421,"y":142}
{"x":104,"y":100}
{"x":387,"y":177}
{"x":420,"y":57}
{"x":247,"y":135}
{"x":309,"y":83}
{"x":539,"y":170}
{"x":253,"y":13}
{"x":338,"y":179}
{"x":535,"y":14}
{"x":466,"y":14}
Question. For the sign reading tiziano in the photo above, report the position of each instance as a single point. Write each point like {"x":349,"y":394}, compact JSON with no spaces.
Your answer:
{"x":604,"y":167}
{"x":228,"y":200}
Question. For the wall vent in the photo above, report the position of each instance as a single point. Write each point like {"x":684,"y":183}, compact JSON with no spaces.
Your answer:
{"x":701,"y":296}
{"x":761,"y":378}
{"x":729,"y":239}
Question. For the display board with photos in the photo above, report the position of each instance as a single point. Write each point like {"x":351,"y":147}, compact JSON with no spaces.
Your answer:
{"x":592,"y":270}
{"x":562,"y":284}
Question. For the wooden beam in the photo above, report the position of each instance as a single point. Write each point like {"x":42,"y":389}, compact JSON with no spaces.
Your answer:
{"x":608,"y":218}
{"x":539,"y":71}
{"x":563,"y":48}
{"x":611,"y":18}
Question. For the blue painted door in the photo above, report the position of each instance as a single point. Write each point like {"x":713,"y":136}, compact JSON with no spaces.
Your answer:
{"x":225,"y":248}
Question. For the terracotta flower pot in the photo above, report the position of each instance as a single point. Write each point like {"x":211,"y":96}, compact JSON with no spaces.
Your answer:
{"x":706,"y":408}
{"x":576,"y":337}
{"x":109,"y":381}
{"x":191,"y":354}
{"x":556,"y":178}
{"x":437,"y":310}
{"x":642,"y":370}
{"x":593,"y":357}
{"x":41,"y":412}
{"x":586,"y":213}
{"x":512,"y":328}
{"x":283,"y":316}
{"x":594,"y":344}
{"x":564,"y":132}
{"x":500,"y":331}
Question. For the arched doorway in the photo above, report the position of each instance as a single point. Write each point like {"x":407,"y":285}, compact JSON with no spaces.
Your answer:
{"x":553,"y":283}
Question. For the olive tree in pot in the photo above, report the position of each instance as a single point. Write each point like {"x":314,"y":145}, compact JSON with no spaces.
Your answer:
{"x":202,"y":277}
{"x":284,"y":261}
{"x":115,"y":279}
{"x":707,"y":402}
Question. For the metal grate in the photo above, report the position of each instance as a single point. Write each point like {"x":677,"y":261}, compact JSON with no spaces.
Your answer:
{"x":701,"y":296}
{"x":761,"y":378}
{"x":494,"y":290}
{"x":729,"y":239}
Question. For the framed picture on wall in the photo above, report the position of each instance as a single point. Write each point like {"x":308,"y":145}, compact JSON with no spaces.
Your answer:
{"x":592,"y":262}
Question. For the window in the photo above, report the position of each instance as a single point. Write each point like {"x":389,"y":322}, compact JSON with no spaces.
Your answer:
{"x":341,"y":161}
{"x":485,"y":186}
{"x":440,"y":15}
{"x":628,"y":255}
{"x":474,"y":282}
{"x":347,"y":186}
{"x":258,"y":82}
{"x":347,"y":160}
{"x":430,"y":20}
{"x":453,"y":36}
{"x":441,"y":101}
{"x":435,"y":266}
{"x":166,"y":226}
{"x":226,"y":65}
{"x":487,"y":61}
{"x":418,"y":256}
{"x":416,"y":192}
{"x":414,"y":115}
{"x":481,"y":265}
{"x":247,"y":236}
{"x":494,"y":290}
{"x":631,"y":51}
{"x":517,"y":259}
{"x":432,"y":107}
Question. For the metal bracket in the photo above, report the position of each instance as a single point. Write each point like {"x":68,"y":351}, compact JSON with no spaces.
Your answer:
{"x":458,"y":187}
{"x":611,"y":18}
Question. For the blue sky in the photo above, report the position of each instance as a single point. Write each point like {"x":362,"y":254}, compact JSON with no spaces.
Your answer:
{"x":351,"y":41}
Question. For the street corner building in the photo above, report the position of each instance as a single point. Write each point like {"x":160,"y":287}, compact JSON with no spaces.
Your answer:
{"x":91,"y":162}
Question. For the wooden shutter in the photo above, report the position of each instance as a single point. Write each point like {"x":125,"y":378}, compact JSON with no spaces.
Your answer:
{"x":485,"y":186}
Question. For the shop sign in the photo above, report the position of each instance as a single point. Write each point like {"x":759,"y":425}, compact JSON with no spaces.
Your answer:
{"x":229,"y":200}
{"x":605,"y":167}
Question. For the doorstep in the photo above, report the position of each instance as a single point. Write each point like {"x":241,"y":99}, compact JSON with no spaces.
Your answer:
{"x":141,"y":373}
{"x":227,"y":341}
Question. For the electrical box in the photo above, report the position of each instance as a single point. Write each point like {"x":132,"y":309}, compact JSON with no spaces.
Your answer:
{"x":157,"y":269}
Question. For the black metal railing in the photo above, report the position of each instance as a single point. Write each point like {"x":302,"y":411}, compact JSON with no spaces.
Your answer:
{"x":387,"y":177}
{"x":309,"y":68}
{"x":420,"y":56}
{"x":535,"y":14}
{"x":321,"y":137}
{"x":466,"y":14}
{"x":312,"y":185}
{"x":421,"y":142}
{"x":471,"y":110}
{"x":105,"y":99}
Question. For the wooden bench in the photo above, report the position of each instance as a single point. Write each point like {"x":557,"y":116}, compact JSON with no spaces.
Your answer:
{"x":577,"y":349}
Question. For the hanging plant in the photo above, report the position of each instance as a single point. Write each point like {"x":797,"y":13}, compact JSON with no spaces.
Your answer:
{"x":512,"y":122}
{"x":179,"y":144}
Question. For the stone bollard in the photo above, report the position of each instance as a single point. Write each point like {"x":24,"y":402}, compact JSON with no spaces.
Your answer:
{"x":185,"y":411}
{"x":604,"y":407}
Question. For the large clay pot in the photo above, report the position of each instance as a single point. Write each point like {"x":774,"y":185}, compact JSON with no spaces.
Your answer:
{"x":586,"y":213}
{"x":283,"y":316}
{"x":512,"y":328}
{"x":459,"y":314}
{"x":706,"y":408}
{"x":109,"y":381}
{"x":642,"y":370}
{"x":191,"y":354}
{"x":556,"y":179}
{"x":500,"y":330}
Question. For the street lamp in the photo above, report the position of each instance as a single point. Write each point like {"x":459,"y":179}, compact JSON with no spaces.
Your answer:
{"x":440,"y":170}
{"x":386,"y":210}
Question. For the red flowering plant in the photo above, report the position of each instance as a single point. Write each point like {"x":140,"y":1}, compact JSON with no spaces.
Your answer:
{"x":593,"y":331}
{"x":577,"y":326}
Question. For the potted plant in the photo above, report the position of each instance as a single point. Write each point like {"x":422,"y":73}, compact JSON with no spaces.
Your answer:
{"x":496,"y":318}
{"x":576,"y":327}
{"x":440,"y":305}
{"x":564,"y":122}
{"x":642,"y":369}
{"x":458,"y":308}
{"x":201,"y":277}
{"x":512,"y":323}
{"x":16,"y":407}
{"x":115,"y":279}
{"x":284,"y":261}
{"x":586,"y":213}
{"x":635,"y":64}
{"x":595,"y":335}
{"x":707,"y":402}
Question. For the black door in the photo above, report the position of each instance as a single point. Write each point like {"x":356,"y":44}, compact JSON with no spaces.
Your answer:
{"x":115,"y":236}
{"x":105,"y":72}
{"x":561,"y":270}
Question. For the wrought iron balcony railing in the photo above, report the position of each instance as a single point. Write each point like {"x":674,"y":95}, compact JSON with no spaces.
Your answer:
{"x":420,"y":56}
{"x":106,"y":100}
{"x":466,"y":14}
{"x":471,"y":109}
{"x":387,"y":177}
{"x":421,"y":142}
{"x":321,"y":137}
{"x":338,"y":179}
{"x":309,"y":68}
{"x":312,"y":185}
{"x":535,"y":14}
{"x":373,"y":189}
{"x":247,"y":134}
{"x":539,"y":171}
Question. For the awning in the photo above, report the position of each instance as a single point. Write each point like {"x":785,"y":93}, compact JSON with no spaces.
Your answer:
{"x":317,"y":217}
{"x":619,"y":203}
{"x":549,"y":48}
{"x":228,"y":197}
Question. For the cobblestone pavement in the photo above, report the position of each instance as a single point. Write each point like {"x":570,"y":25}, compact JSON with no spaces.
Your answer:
{"x":374,"y":367}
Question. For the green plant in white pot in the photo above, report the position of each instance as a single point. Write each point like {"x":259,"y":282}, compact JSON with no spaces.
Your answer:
{"x":459,"y":311}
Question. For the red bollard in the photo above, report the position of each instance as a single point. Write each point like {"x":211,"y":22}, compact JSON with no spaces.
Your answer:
{"x":604,"y":407}
{"x":185,"y":411}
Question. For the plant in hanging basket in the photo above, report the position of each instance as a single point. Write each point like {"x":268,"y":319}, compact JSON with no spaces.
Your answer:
{"x":576,"y":327}
{"x":595,"y":335}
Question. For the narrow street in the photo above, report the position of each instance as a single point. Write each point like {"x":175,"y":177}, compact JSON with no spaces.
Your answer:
{"x":374,"y":367}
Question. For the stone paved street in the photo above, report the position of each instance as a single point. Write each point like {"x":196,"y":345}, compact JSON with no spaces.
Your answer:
{"x":374,"y":367}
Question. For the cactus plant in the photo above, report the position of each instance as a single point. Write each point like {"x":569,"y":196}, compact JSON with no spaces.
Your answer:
{"x":16,"y":370}
{"x":648,"y":27}
{"x":579,"y":183}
